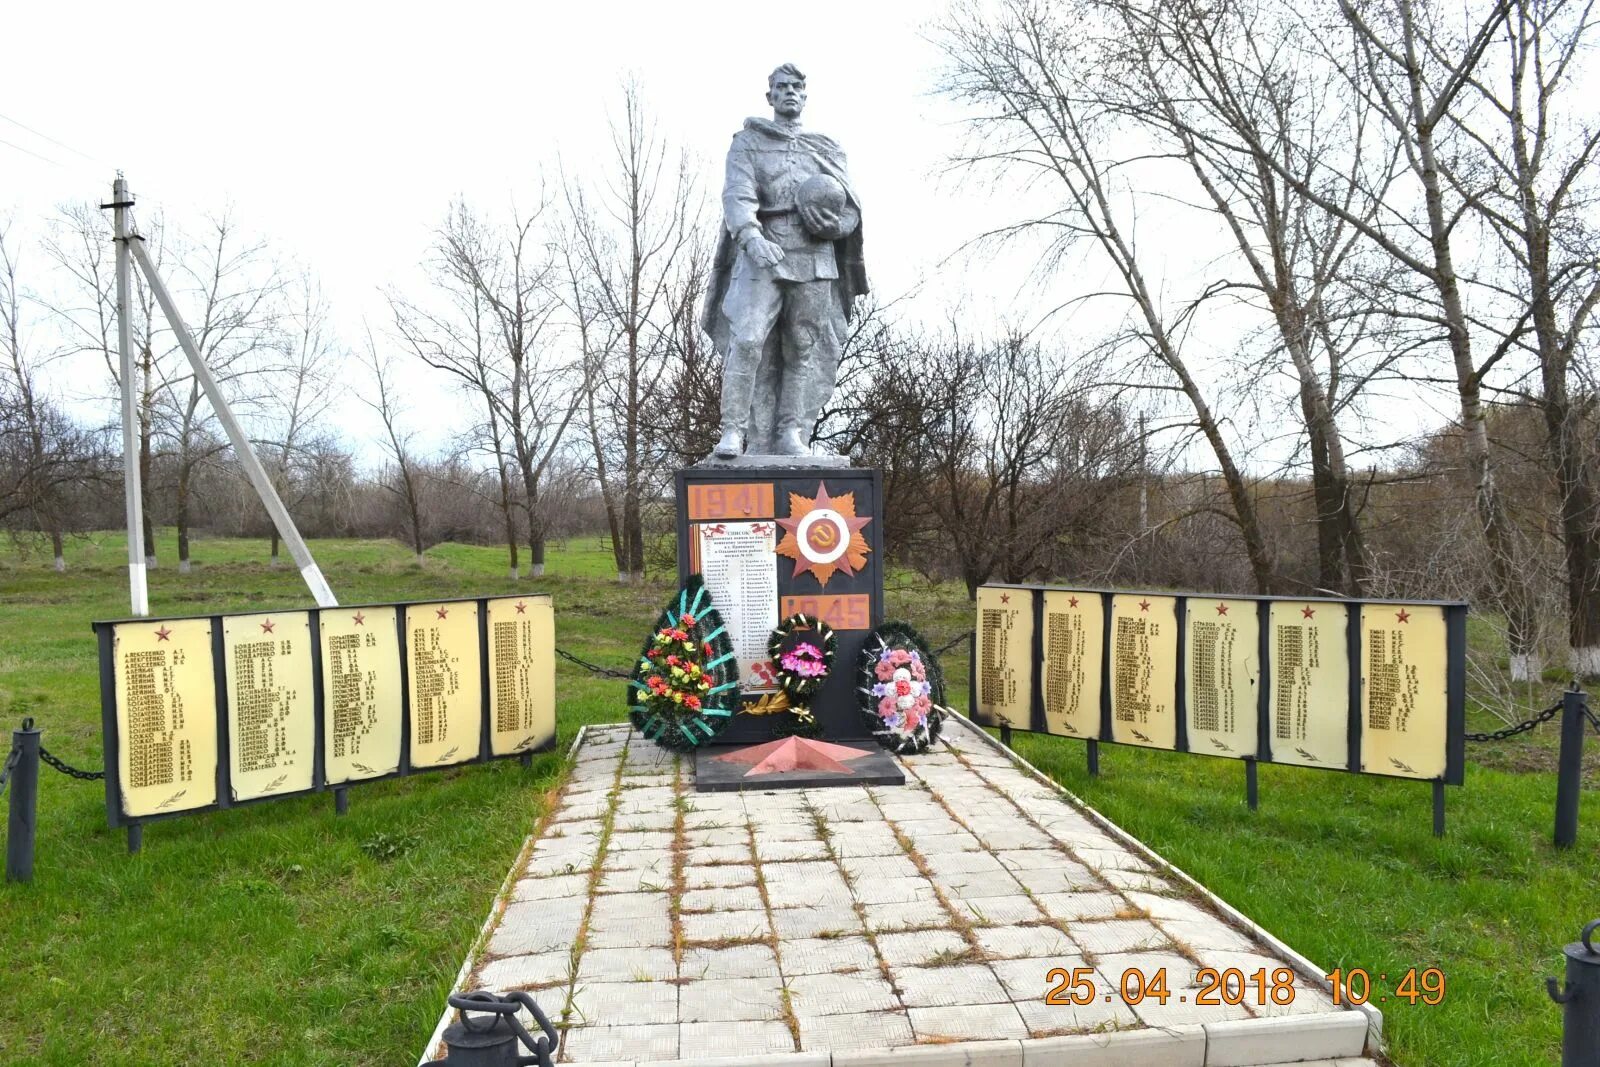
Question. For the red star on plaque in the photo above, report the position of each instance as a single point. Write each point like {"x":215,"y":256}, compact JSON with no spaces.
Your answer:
{"x":522,"y":609}
{"x":823,"y":535}
{"x":1144,"y":605}
{"x":1072,"y":601}
{"x":794,"y":754}
{"x":1222,"y":609}
{"x":1306,"y":612}
{"x":267,"y":626}
{"x":1005,"y":598}
{"x":163,"y":633}
{"x":1403,"y":615}
{"x":441,"y":612}
{"x":359,"y":619}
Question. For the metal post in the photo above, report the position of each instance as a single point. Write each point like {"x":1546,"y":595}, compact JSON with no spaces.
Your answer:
{"x":1569,"y":766}
{"x":132,"y":491}
{"x":1580,"y":1000}
{"x":527,"y":761}
{"x":1438,"y":807}
{"x":135,"y":837}
{"x":1252,"y":785}
{"x":236,"y":435}
{"x":24,"y":820}
{"x":1005,"y":734}
{"x":341,"y":801}
{"x":1094,"y":758}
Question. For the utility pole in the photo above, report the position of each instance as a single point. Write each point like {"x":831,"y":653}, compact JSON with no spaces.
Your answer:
{"x":132,"y":491}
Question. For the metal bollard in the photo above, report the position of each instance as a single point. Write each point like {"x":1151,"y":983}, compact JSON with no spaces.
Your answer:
{"x":1569,"y":766}
{"x":492,"y":1041}
{"x":1580,"y":1019}
{"x":24,"y":818}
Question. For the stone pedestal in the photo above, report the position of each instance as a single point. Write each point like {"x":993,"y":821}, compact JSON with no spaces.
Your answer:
{"x":804,"y":504}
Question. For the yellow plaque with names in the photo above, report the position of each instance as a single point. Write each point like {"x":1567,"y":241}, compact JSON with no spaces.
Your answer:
{"x":1144,"y":670}
{"x":361,"y":698}
{"x":1005,"y":656}
{"x":272,"y":724}
{"x":1074,"y":633}
{"x":1308,"y":650}
{"x":445,"y":688}
{"x":1403,"y":690}
{"x":522,"y":674}
{"x":166,"y":715}
{"x":1222,"y":676}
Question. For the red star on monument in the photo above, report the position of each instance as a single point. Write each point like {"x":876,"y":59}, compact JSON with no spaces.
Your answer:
{"x":441,"y":612}
{"x":1222,"y":609}
{"x":1144,"y":605}
{"x":522,"y":609}
{"x":794,"y":754}
{"x":1306,"y":612}
{"x":267,"y":626}
{"x":163,"y":633}
{"x":359,"y":618}
{"x":1403,"y":615}
{"x":1005,"y":598}
{"x":1072,"y":601}
{"x":823,"y":534}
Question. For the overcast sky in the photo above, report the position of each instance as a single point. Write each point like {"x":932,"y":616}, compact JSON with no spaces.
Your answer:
{"x":340,"y":132}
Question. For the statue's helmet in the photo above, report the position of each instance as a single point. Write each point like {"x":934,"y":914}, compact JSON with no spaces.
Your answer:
{"x":822,"y":191}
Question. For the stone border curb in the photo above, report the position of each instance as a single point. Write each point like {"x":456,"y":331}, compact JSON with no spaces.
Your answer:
{"x":1306,"y":968}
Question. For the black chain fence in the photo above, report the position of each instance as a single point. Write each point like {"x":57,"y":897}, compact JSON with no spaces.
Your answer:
{"x":11,"y":765}
{"x":67,"y":768}
{"x":612,"y":672}
{"x":1527,"y":724}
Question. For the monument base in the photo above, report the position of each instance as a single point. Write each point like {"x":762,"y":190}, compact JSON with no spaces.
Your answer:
{"x":793,"y":763}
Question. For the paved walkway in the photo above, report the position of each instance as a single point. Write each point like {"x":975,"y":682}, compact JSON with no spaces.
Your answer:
{"x":862,"y":925}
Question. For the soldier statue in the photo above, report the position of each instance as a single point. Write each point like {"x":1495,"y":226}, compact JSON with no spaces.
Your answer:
{"x":788,"y":270}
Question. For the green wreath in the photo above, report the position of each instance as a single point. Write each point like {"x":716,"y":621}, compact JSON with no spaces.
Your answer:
{"x":802,"y":649}
{"x":685,"y":685}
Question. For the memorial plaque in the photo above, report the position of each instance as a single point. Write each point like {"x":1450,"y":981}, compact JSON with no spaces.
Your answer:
{"x":272,"y":725}
{"x":1403,"y":690}
{"x":1144,"y":670}
{"x":166,"y":715}
{"x":1004,"y":657}
{"x":1310,"y":669}
{"x":522,"y":679}
{"x":1074,"y":645}
{"x":361,"y":693}
{"x":738,"y":562}
{"x":731,"y":500}
{"x":1222,"y":676}
{"x":851,"y":611}
{"x":446,"y":691}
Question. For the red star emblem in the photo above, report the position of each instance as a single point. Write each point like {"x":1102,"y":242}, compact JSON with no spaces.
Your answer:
{"x":1072,"y":601}
{"x":1144,"y":605}
{"x":1306,"y":612}
{"x":1222,"y":609}
{"x":522,"y":609}
{"x":360,"y":619}
{"x":1005,"y":598}
{"x":1403,"y":615}
{"x":441,"y":612}
{"x":267,"y":626}
{"x":163,"y":633}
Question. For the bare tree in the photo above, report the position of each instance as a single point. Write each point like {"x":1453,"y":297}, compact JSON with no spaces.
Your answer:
{"x":303,"y":387}
{"x":405,"y":481}
{"x":628,"y":246}
{"x":1037,"y":115}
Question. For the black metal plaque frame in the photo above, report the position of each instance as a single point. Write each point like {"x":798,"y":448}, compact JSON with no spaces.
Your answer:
{"x":835,"y":705}
{"x":1455,"y":619}
{"x":112,"y":742}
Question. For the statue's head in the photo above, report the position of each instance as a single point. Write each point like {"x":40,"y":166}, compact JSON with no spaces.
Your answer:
{"x":786,"y":91}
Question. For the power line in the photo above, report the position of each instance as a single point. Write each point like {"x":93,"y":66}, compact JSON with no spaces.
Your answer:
{"x":47,"y":137}
{"x":35,"y":155}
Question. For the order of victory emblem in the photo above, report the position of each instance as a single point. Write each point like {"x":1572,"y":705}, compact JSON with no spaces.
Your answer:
{"x":822,"y":534}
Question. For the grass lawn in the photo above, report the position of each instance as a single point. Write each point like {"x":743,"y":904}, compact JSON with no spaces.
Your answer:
{"x":279,"y":933}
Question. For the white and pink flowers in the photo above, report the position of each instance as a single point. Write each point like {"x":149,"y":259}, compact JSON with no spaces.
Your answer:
{"x":902,"y":689}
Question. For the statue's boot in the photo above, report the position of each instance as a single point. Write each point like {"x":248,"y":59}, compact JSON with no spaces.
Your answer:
{"x":738,"y":389}
{"x":791,"y":443}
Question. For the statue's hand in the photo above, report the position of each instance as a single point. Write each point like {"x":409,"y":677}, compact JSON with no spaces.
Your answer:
{"x":763,"y":252}
{"x":820,"y":222}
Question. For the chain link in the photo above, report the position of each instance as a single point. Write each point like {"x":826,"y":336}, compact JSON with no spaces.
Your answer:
{"x":11,"y":764}
{"x":959,"y":639}
{"x":67,"y":769}
{"x":593,"y":668}
{"x":1524,"y":726}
